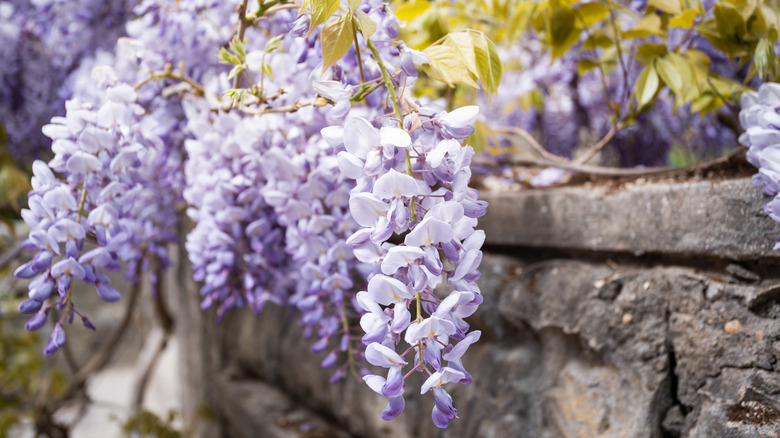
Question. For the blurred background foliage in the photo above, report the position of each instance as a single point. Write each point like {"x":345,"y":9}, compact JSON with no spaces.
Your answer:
{"x":665,"y":75}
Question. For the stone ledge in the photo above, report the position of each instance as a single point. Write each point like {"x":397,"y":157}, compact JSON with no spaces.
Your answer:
{"x":722,"y":219}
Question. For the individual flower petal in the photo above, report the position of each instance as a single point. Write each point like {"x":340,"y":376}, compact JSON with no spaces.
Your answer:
{"x":396,"y":185}
{"x":400,"y":256}
{"x":428,"y":232}
{"x":387,"y":290}
{"x":382,"y":356}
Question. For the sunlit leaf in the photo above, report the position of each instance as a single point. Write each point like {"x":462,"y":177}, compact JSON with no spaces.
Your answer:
{"x":321,"y":11}
{"x":647,"y":26}
{"x":729,"y":21}
{"x":448,"y":67}
{"x":412,"y":9}
{"x":646,"y":85}
{"x":649,"y":51}
{"x":671,"y":7}
{"x":489,"y":69}
{"x":684,"y":20}
{"x":586,"y":65}
{"x":336,"y":40}
{"x":763,"y":57}
{"x":367,"y":25}
{"x":669,"y":74}
{"x":273,"y":44}
{"x":592,"y":12}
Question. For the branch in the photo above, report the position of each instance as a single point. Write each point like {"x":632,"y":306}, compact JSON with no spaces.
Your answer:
{"x":9,"y":255}
{"x":167,"y":74}
{"x":155,"y":345}
{"x":525,"y":135}
{"x":97,"y":362}
{"x":735,"y":156}
{"x":599,"y":146}
{"x":243,"y":23}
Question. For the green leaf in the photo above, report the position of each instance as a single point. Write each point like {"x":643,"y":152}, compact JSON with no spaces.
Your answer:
{"x":410,"y":10}
{"x":669,"y":74}
{"x":321,"y":11}
{"x":685,"y":20}
{"x":646,"y":85}
{"x":489,"y":69}
{"x":268,"y":71}
{"x":596,"y":39}
{"x":367,"y":25}
{"x":592,"y":12}
{"x":520,"y":20}
{"x":647,"y":26}
{"x":462,"y":43}
{"x":226,"y":57}
{"x":763,"y":57}
{"x":729,"y":21}
{"x":671,"y":7}
{"x":235,"y":71}
{"x":731,"y":48}
{"x":649,"y":51}
{"x":353,"y":5}
{"x":562,"y":32}
{"x":586,"y":65}
{"x":446,"y":66}
{"x":273,"y":44}
{"x":336,"y":40}
{"x":237,"y":47}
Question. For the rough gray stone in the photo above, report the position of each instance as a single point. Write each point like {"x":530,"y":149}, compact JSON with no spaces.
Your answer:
{"x":575,"y":347}
{"x":255,"y":409}
{"x":713,"y":218}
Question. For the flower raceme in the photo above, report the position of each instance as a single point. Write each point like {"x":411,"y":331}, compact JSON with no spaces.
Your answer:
{"x":298,"y":197}
{"x":414,"y":184}
{"x":760,"y":117}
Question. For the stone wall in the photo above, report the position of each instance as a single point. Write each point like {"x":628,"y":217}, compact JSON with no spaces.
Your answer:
{"x":648,"y":310}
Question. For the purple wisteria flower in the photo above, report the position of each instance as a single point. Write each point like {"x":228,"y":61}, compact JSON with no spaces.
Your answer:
{"x":760,"y":117}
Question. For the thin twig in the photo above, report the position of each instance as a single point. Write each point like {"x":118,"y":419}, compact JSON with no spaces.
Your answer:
{"x":696,"y":24}
{"x":614,"y":171}
{"x":291,"y":108}
{"x":532,"y":141}
{"x":97,"y":362}
{"x":156,"y":343}
{"x":618,"y":47}
{"x":596,"y":148}
{"x":10,"y":254}
{"x":243,"y":23}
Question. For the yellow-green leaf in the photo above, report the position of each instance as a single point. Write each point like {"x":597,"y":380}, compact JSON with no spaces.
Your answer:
{"x":462,"y":44}
{"x":729,"y":21}
{"x":763,"y":57}
{"x":597,"y":38}
{"x":489,"y":69}
{"x":668,"y":73}
{"x":336,"y":40}
{"x":367,"y":25}
{"x":353,"y":5}
{"x":685,"y":20}
{"x":592,"y":12}
{"x":412,"y":9}
{"x":562,"y":30}
{"x":647,"y":26}
{"x":520,"y":19}
{"x":649,"y":51}
{"x":446,"y":66}
{"x":646,"y":85}
{"x":669,"y":6}
{"x":586,"y":65}
{"x":321,"y":11}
